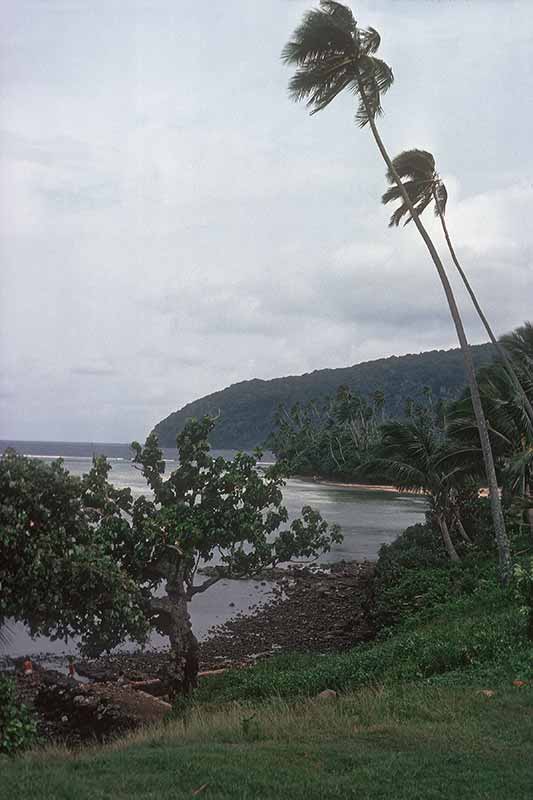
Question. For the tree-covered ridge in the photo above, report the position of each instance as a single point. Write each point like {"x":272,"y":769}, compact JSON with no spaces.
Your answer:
{"x":247,"y":409}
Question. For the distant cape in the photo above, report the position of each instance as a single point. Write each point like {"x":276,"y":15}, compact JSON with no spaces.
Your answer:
{"x":246,"y":410}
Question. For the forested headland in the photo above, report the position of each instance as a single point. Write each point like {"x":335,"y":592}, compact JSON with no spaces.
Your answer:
{"x":247,"y":410}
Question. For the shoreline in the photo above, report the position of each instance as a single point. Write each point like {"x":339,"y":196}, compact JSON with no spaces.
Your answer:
{"x":367,"y":487}
{"x":307,"y":600}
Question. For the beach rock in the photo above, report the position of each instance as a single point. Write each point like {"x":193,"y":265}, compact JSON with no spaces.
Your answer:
{"x":323,"y":610}
{"x":327,"y":694}
{"x":96,"y":711}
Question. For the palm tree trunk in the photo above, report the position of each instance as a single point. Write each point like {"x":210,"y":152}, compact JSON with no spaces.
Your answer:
{"x":500,"y":533}
{"x":529,"y":510}
{"x":447,"y":539}
{"x":461,"y":528}
{"x":501,"y":350}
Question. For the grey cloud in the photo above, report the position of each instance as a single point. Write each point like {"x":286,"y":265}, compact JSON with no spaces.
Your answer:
{"x":171,"y":223}
{"x":94,"y":370}
{"x":82,"y":198}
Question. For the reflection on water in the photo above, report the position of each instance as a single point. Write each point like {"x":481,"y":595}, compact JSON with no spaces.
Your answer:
{"x":368,"y":518}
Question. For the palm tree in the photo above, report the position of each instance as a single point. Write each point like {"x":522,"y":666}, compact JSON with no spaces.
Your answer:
{"x":411,"y":454}
{"x":332,"y":53}
{"x":519,"y":343}
{"x":510,"y":430}
{"x":424,"y":185}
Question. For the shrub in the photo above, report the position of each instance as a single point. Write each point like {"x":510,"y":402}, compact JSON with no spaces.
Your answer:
{"x":523,"y":579}
{"x":418,"y":546}
{"x":18,"y":729}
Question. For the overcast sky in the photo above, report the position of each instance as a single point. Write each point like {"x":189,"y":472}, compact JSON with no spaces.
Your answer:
{"x":171,"y":223}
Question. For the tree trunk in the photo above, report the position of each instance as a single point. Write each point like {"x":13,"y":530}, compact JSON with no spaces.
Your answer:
{"x":447,"y":539}
{"x":461,"y":528}
{"x":529,"y":511}
{"x":182,"y":672}
{"x":508,"y":364}
{"x":496,"y":508}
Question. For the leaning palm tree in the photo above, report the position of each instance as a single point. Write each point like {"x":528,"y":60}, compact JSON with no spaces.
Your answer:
{"x":332,"y":53}
{"x":424,"y":186}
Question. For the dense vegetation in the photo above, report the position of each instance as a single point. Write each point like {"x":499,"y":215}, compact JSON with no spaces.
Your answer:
{"x":247,"y":410}
{"x":435,"y":449}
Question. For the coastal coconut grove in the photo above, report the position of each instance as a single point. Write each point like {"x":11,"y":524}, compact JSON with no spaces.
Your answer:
{"x":427,"y":689}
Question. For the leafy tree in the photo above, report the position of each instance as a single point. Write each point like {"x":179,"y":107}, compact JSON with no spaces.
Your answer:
{"x":59,"y":572}
{"x":332,"y":53}
{"x":424,"y":186}
{"x":80,"y":557}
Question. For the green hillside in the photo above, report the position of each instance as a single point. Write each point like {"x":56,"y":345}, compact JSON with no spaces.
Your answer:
{"x":247,"y":409}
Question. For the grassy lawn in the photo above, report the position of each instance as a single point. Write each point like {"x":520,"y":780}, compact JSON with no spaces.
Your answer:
{"x":402,"y":742}
{"x":411,"y":721}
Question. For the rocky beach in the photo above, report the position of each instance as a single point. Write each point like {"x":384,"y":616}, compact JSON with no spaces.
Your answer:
{"x":312,"y":610}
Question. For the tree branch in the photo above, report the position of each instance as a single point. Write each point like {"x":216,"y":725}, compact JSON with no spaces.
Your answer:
{"x":192,"y":590}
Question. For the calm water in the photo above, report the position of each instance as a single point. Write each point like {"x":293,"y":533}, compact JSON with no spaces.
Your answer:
{"x":368,"y":519}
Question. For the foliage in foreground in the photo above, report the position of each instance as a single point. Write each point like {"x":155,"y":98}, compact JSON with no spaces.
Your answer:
{"x":18,"y":729}
{"x":410,"y":743}
{"x":437,"y":619}
{"x":464,"y":636}
{"x":81,"y":557}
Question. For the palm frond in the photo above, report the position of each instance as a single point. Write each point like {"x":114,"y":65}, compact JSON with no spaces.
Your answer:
{"x":442,"y":198}
{"x":339,"y":14}
{"x":421,"y":206}
{"x":416,"y":170}
{"x":519,"y":344}
{"x":320,"y":84}
{"x":374,"y":78}
{"x":398,"y":215}
{"x":418,"y":165}
{"x":333,"y":54}
{"x":322,"y":32}
{"x":370,"y":40}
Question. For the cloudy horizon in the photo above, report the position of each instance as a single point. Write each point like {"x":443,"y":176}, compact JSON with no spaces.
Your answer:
{"x":171,"y":223}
